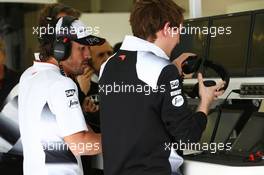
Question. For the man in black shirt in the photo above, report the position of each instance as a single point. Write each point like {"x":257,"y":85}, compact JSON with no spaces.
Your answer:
{"x":142,"y":106}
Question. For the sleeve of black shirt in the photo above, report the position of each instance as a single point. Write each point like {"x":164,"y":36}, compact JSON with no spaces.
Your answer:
{"x":179,"y":120}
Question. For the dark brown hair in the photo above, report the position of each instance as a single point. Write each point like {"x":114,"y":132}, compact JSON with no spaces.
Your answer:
{"x":48,"y":16}
{"x":150,"y":16}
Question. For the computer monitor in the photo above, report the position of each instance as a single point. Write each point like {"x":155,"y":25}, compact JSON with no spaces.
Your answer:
{"x":231,"y":50}
{"x":207,"y":134}
{"x":228,"y":120}
{"x":194,"y":40}
{"x":251,"y":136}
{"x":256,"y":59}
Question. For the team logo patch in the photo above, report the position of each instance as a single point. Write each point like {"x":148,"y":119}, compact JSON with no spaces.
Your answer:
{"x":73,"y":103}
{"x":174,"y":84}
{"x":177,"y":101}
{"x":70,"y":92}
{"x":176,"y":92}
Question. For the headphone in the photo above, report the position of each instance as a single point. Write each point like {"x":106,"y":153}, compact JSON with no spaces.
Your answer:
{"x":51,"y":18}
{"x":62,"y":43}
{"x":192,"y":65}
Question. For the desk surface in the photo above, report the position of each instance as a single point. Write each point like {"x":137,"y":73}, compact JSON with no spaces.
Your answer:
{"x":203,"y":168}
{"x":224,"y":159}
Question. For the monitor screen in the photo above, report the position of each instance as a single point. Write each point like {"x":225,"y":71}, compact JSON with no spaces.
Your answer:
{"x":207,"y":134}
{"x":256,"y":60}
{"x":231,"y":49}
{"x":192,"y":38}
{"x":252,"y":135}
{"x":227,"y":123}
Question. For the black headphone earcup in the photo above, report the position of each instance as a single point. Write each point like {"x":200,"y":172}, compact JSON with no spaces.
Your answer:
{"x":62,"y":44}
{"x":195,"y":91}
{"x":191,"y":64}
{"x":58,"y":51}
{"x":61,"y":51}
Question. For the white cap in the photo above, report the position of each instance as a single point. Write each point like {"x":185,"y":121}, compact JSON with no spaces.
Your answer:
{"x":76,"y":30}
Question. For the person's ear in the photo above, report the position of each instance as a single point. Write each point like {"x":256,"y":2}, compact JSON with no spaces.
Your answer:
{"x":166,"y":30}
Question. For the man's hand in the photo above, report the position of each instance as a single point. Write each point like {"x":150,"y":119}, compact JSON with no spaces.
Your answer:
{"x":208,"y":94}
{"x":178,"y":62}
{"x":89,"y":105}
{"x":84,"y":80}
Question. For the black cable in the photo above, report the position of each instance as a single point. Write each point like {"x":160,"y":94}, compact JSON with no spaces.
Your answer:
{"x":61,"y":69}
{"x":219,"y":110}
{"x":235,"y":91}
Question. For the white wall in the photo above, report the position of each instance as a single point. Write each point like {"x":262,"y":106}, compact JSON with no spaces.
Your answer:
{"x":245,"y":6}
{"x":211,"y":8}
{"x":218,"y":7}
{"x":113,"y":26}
